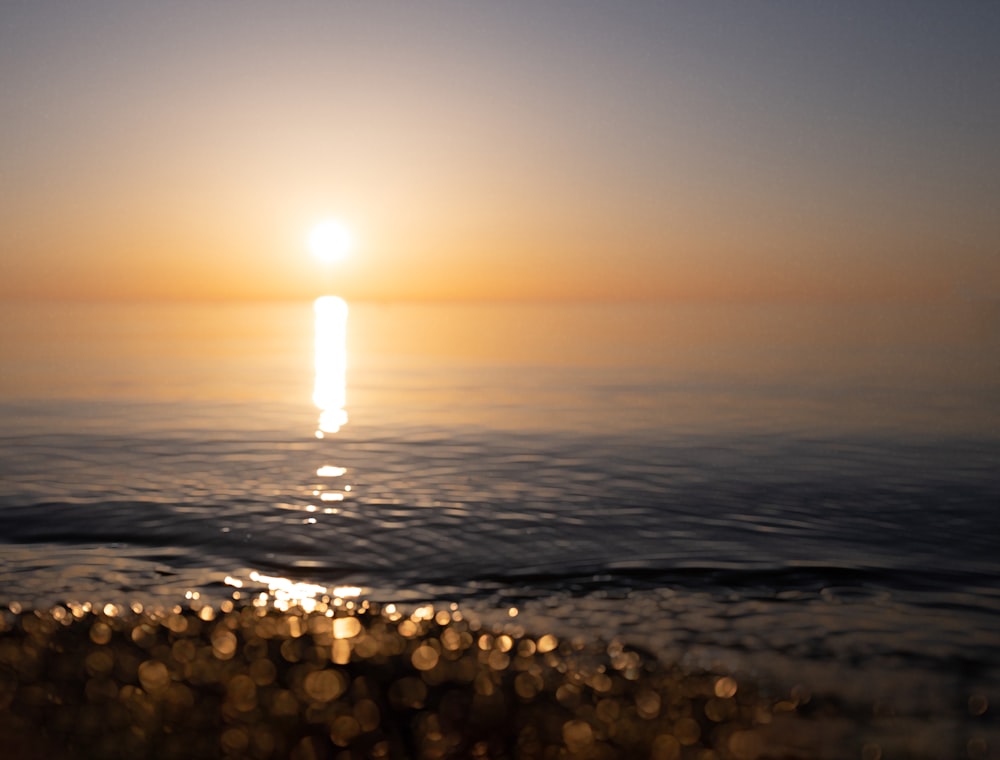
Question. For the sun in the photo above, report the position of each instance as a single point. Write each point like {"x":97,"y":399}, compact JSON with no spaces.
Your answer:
{"x":330,"y":240}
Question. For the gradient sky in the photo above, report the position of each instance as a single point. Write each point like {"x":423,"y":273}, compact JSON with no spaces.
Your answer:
{"x":546,"y":149}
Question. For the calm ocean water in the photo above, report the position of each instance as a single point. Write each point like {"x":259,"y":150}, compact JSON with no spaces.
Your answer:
{"x":804,"y":494}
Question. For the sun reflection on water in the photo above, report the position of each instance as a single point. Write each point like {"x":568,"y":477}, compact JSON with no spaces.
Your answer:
{"x":262,"y":591}
{"x":330,"y":388}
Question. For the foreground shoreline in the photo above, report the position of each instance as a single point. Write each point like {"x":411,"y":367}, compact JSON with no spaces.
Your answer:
{"x":354,"y":679}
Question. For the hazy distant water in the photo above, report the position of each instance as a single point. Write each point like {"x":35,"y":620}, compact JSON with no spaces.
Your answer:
{"x":806,"y":492}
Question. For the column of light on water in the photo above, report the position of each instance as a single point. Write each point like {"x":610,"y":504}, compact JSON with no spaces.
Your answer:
{"x":330,"y":391}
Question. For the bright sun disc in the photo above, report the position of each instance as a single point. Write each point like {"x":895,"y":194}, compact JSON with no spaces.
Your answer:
{"x":329,"y":240}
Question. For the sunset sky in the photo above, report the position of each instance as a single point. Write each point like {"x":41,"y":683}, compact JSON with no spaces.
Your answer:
{"x":503,"y":150}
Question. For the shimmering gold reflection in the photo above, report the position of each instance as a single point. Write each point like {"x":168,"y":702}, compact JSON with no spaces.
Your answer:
{"x":330,"y":390}
{"x":285,"y":594}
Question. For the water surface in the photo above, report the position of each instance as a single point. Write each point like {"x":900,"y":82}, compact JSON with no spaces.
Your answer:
{"x":802,"y":493}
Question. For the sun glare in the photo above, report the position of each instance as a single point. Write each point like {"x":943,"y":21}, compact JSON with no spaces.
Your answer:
{"x":330,"y":240}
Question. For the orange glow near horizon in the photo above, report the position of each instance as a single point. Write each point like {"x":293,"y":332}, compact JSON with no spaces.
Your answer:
{"x":423,"y":261}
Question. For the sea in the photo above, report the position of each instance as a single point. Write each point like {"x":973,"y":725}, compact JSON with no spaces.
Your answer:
{"x":805,"y":496}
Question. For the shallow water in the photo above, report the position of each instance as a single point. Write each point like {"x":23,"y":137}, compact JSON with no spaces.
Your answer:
{"x":806,"y":495}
